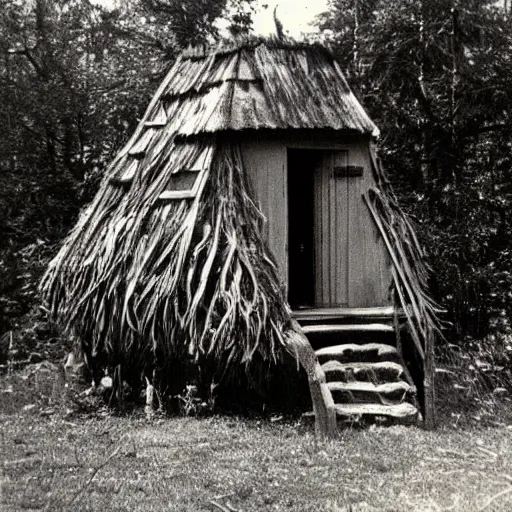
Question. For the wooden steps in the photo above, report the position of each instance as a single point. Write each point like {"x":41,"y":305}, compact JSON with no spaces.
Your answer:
{"x":364,"y":371}
{"x":367,"y":383}
{"x":405,"y":412}
{"x":384,"y":371}
{"x":390,"y":393}
{"x":353,"y":353}
{"x":345,"y":328}
{"x":384,"y":313}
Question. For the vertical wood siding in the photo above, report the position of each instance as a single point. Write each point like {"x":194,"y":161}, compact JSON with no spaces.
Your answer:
{"x":331,"y":232}
{"x":369,"y":265}
{"x":352,"y":264}
{"x":265,"y":163}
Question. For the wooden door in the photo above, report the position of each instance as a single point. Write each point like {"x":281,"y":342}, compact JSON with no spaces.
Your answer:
{"x":331,"y":230}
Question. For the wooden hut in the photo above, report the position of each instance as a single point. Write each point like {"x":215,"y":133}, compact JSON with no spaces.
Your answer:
{"x":247,"y":218}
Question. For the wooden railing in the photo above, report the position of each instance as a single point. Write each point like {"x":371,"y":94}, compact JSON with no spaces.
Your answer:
{"x":323,"y":405}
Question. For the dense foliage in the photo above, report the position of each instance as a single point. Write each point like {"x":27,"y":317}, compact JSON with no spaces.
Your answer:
{"x":436,"y":76}
{"x":74,"y":80}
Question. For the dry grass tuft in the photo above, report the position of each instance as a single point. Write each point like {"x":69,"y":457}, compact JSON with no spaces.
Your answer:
{"x":189,"y":464}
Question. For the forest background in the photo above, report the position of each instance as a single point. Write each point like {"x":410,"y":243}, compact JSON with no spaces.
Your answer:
{"x":435,"y":76}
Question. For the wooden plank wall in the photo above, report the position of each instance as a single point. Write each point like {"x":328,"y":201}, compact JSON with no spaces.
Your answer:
{"x":369,"y":264}
{"x":331,"y":232}
{"x":265,"y":163}
{"x":265,"y":158}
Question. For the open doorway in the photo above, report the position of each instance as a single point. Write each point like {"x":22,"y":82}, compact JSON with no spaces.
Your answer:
{"x":318,"y":228}
{"x":301,"y":276}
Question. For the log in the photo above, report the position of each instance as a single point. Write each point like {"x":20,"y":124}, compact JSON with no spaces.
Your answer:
{"x":323,"y":405}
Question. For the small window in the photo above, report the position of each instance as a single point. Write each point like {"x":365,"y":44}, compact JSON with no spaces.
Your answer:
{"x":183,"y":180}
{"x":186,"y":183}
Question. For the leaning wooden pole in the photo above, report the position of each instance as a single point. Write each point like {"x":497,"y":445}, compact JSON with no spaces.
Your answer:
{"x":323,"y":404}
{"x":410,"y":274}
{"x":411,"y":299}
{"x":429,"y":384}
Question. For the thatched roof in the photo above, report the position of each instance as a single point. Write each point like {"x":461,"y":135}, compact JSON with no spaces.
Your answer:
{"x":257,"y":84}
{"x":260,"y":84}
{"x":243,"y":85}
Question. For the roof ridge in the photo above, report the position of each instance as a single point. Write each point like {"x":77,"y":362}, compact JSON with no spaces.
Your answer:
{"x":232,"y":45}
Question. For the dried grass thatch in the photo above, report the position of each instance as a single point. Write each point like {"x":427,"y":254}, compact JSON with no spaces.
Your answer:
{"x":148,"y":283}
{"x":261,"y":84}
{"x":410,"y":274}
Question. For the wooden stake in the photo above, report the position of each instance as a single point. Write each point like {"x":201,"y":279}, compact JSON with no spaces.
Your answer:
{"x":428,"y":384}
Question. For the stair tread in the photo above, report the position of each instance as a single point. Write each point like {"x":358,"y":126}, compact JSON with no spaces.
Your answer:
{"x":332,"y":313}
{"x":338,"y":350}
{"x":387,"y":387}
{"x":374,"y":327}
{"x":402,"y":410}
{"x":336,"y":365}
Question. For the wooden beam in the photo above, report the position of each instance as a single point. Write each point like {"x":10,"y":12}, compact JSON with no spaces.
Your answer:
{"x":332,"y":313}
{"x":323,"y":404}
{"x":347,"y":328}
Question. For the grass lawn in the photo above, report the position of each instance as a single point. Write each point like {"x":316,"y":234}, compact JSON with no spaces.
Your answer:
{"x":50,"y":461}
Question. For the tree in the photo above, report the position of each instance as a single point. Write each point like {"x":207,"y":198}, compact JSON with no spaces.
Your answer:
{"x":436,"y":77}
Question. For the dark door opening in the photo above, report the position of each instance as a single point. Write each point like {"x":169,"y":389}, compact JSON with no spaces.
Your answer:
{"x":301,"y":254}
{"x":318,"y":229}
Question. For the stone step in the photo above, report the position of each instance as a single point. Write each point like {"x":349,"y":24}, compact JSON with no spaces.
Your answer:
{"x":404,"y":413}
{"x":390,"y":393}
{"x":347,"y":328}
{"x":353,"y":353}
{"x":385,"y":371}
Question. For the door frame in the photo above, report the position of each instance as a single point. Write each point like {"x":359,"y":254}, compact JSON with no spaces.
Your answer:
{"x":322,"y":146}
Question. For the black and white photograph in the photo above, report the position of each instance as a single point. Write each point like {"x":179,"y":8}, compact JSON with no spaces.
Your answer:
{"x":256,"y":255}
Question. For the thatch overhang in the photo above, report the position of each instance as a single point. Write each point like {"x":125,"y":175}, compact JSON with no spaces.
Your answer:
{"x":261,"y":84}
{"x":256,"y":84}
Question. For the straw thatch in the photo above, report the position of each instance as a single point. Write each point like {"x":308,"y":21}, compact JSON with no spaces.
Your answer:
{"x":168,"y":263}
{"x":145,"y":282}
